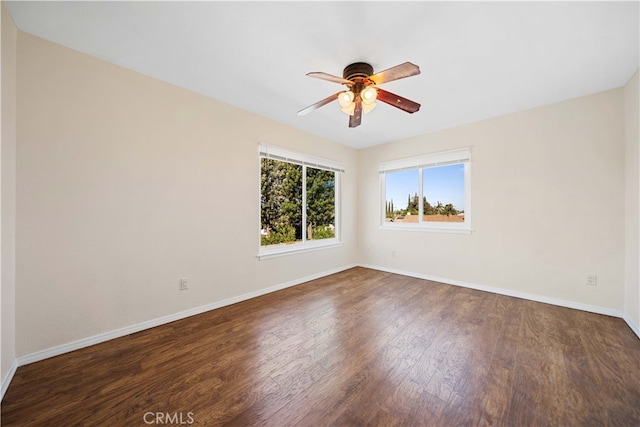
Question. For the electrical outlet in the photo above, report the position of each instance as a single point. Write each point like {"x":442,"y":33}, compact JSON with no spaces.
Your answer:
{"x":393,"y":253}
{"x":184,"y":284}
{"x":592,"y":279}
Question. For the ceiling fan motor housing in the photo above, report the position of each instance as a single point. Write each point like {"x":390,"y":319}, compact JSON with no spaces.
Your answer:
{"x":360,"y":70}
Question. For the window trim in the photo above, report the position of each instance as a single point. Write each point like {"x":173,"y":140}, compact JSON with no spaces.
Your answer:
{"x":305,"y":160}
{"x":444,"y":158}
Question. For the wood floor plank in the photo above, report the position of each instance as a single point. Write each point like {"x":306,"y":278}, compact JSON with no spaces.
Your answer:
{"x":360,"y":347}
{"x":498,"y":385}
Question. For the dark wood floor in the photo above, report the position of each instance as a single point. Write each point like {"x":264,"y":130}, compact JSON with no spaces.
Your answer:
{"x":360,"y":347}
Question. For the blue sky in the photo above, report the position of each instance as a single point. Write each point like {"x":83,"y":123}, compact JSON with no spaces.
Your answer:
{"x":443,"y":183}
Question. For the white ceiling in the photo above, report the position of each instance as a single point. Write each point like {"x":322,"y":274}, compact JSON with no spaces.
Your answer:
{"x":478,"y":59}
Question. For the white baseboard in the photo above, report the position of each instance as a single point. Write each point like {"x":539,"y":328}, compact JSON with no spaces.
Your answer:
{"x":7,"y":378}
{"x":501,"y":291}
{"x":631,"y":324}
{"x":532,"y":297}
{"x":96,"y":339}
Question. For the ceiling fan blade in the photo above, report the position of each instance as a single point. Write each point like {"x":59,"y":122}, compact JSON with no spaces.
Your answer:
{"x":397,"y":101}
{"x":318,"y":104}
{"x":395,"y":73}
{"x":356,"y":118}
{"x":330,"y":77}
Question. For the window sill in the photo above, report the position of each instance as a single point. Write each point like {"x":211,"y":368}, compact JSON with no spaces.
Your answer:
{"x":429,"y":229}
{"x":274,"y":252}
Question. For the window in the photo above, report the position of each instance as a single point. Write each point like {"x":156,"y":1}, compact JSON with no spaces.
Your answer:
{"x":299,"y":202}
{"x":428,"y":193}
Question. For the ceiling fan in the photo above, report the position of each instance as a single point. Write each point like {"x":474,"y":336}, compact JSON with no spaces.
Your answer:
{"x":363,"y":91}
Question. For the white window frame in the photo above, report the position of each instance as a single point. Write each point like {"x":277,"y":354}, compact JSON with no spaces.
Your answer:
{"x":457,"y":156}
{"x":282,"y":154}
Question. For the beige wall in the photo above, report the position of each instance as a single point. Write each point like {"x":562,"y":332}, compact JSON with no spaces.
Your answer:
{"x":126,"y":184}
{"x":547,"y":196}
{"x":8,"y":200}
{"x":632,"y":208}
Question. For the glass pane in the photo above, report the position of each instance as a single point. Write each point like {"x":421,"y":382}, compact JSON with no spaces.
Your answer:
{"x":443,"y":190}
{"x":280,"y":202}
{"x":321,"y":204}
{"x":401,"y":194}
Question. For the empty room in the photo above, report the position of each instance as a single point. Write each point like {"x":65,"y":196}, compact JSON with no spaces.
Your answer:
{"x":309,"y":213}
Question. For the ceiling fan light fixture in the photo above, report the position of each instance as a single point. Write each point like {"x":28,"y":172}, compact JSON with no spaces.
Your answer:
{"x":369,"y":95}
{"x":345,"y":99}
{"x":349,"y":109}
{"x":368,"y":107}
